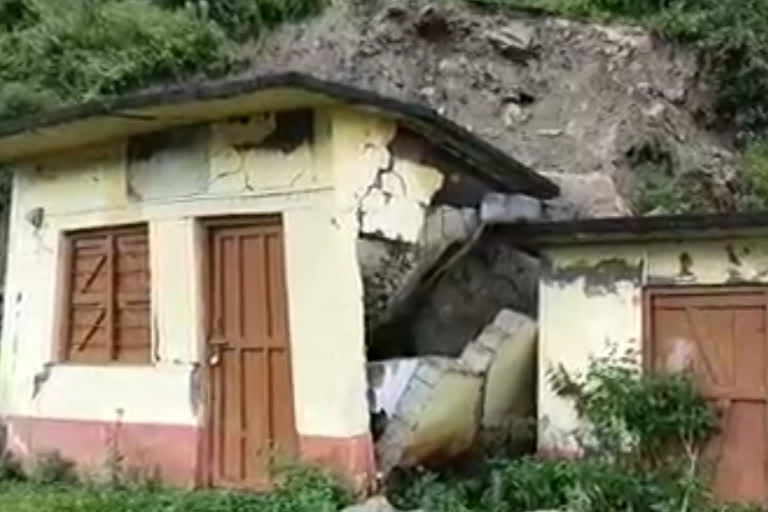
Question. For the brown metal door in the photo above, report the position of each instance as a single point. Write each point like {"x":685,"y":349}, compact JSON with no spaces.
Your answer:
{"x":251,"y":408}
{"x":721,"y":335}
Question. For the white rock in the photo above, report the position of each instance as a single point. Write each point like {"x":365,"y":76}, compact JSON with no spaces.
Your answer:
{"x":498,"y":207}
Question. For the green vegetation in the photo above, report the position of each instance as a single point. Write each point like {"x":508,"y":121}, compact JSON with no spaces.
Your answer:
{"x":755,"y":167}
{"x":643,"y":451}
{"x":55,"y":52}
{"x":302,"y":490}
{"x":733,"y":35}
{"x":670,"y":180}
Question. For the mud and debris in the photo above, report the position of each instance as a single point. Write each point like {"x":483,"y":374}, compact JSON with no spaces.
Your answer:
{"x":507,"y":75}
{"x":430,"y":410}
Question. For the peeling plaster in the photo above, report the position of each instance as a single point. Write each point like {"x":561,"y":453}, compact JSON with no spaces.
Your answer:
{"x":41,"y":378}
{"x":686,"y":265}
{"x":195,"y":383}
{"x":270,"y":151}
{"x":599,"y":278}
{"x":394,"y":202}
{"x":732,"y":256}
{"x":291,"y":130}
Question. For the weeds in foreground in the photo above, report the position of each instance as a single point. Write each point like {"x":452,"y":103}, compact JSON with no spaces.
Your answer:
{"x":643,"y":437}
{"x":52,"y":487}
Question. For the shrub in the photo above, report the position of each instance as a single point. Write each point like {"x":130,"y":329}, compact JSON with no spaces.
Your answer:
{"x":634,"y":417}
{"x":63,"y":51}
{"x":83,"y":49}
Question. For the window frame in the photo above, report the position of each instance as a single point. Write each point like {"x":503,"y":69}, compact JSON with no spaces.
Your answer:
{"x":65,"y":306}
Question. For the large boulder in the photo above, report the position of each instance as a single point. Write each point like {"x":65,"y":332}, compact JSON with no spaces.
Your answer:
{"x":492,"y":277}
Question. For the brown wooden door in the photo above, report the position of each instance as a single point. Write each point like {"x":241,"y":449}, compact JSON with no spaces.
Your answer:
{"x":721,"y":335}
{"x":251,"y":408}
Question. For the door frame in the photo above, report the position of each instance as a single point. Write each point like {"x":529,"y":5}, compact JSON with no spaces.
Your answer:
{"x":205,"y":226}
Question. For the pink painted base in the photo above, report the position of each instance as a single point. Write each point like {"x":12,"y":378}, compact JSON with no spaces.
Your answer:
{"x":352,"y":458}
{"x":168,"y":451}
{"x":175,"y":453}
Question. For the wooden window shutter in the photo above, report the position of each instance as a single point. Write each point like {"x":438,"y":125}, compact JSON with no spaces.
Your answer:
{"x":108,"y":297}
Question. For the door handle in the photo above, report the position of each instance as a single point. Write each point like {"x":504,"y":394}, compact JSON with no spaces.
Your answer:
{"x":214,"y":359}
{"x":217,"y":342}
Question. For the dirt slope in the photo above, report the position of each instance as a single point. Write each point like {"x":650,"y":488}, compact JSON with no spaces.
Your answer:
{"x":575,"y":100}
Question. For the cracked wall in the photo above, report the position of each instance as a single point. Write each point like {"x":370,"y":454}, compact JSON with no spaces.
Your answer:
{"x":298,"y":163}
{"x":387,"y":193}
{"x":591,"y":302}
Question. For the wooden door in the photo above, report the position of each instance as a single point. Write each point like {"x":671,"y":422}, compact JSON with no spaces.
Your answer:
{"x":251,"y":396}
{"x":720,"y":334}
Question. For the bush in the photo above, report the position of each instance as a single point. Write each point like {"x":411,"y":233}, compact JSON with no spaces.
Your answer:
{"x":84,"y":49}
{"x":63,"y":51}
{"x":637,"y":418}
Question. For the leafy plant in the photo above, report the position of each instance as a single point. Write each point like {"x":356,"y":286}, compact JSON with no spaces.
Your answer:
{"x":637,"y":418}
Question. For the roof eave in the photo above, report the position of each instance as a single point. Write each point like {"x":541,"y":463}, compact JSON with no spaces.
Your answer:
{"x":482,"y":159}
{"x":615,"y":230}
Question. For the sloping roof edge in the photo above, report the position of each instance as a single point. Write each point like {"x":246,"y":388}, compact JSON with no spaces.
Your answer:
{"x":482,"y":159}
{"x":636,"y":229}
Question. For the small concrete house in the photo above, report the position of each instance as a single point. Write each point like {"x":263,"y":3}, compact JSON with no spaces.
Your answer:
{"x":183,"y":287}
{"x":681,"y":293}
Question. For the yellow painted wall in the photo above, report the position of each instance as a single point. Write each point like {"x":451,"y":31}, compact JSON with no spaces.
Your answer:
{"x":583,"y":311}
{"x":317,"y":188}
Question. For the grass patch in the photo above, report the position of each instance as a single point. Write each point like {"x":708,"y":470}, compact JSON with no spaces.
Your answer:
{"x":54,"y":52}
{"x":733,"y":34}
{"x":302,"y":490}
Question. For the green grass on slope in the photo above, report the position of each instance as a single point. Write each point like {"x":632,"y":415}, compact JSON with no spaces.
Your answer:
{"x":62,"y":51}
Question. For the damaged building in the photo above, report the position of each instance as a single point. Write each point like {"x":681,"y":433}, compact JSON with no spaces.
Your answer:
{"x":196,"y":275}
{"x":205,"y":278}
